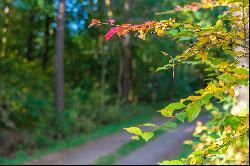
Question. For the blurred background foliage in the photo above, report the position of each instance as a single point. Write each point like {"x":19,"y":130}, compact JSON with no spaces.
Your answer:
{"x":27,"y":116}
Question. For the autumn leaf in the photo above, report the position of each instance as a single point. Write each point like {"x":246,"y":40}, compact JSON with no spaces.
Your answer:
{"x":94,"y":22}
{"x":111,"y":32}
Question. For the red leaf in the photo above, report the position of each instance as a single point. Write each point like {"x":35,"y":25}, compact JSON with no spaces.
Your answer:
{"x":111,"y":32}
{"x":94,"y":22}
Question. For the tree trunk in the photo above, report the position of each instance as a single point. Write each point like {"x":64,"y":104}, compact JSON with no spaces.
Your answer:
{"x":104,"y":59}
{"x":120,"y":71}
{"x":59,"y":81}
{"x":103,"y":71}
{"x":30,"y":36}
{"x":126,"y":60}
{"x":126,"y":75}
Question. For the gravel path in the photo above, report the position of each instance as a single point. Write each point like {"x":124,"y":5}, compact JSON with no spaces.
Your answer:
{"x":166,"y":146}
{"x":86,"y":153}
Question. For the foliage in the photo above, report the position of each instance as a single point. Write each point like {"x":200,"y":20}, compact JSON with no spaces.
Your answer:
{"x":27,"y":30}
{"x":224,"y":133}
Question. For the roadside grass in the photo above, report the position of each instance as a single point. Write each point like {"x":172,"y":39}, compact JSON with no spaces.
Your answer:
{"x":146,"y":112}
{"x":122,"y":151}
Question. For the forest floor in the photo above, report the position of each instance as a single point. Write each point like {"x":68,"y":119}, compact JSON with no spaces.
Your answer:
{"x":165,"y":146}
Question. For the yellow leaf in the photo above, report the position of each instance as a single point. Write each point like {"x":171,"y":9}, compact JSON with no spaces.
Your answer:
{"x":231,"y":92}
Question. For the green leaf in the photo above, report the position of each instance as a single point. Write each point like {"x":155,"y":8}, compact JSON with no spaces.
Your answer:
{"x":134,"y":130}
{"x":171,"y":162}
{"x":166,"y":67}
{"x":170,"y":124}
{"x":167,"y":113}
{"x":181,"y":116}
{"x":193,"y":111}
{"x":184,"y":38}
{"x":175,"y":106}
{"x":173,"y":32}
{"x":233,"y":121}
{"x":219,"y":24}
{"x":149,"y":125}
{"x":205,"y":99}
{"x":241,"y":71}
{"x":226,"y":77}
{"x":147,"y":136}
{"x":198,"y":152}
{"x":160,"y":68}
{"x":197,"y":160}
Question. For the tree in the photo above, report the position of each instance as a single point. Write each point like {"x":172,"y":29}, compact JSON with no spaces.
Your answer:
{"x":227,"y":130}
{"x":126,"y":59}
{"x":47,"y":23}
{"x":59,"y":57}
{"x":30,"y":38}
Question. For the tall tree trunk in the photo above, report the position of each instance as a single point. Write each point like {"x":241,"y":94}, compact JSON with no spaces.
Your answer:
{"x":5,"y":28}
{"x":120,"y":71}
{"x":46,"y":43}
{"x":59,"y":81}
{"x":103,"y":71}
{"x":104,"y":59}
{"x":126,"y":59}
{"x":30,"y":36}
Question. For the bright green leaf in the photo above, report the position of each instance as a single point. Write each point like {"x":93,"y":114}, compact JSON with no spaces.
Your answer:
{"x":149,"y":125}
{"x":134,"y":130}
{"x":193,"y":111}
{"x":175,"y":106}
{"x":205,"y":99}
{"x":167,"y":113}
{"x":147,"y":135}
{"x":241,"y":71}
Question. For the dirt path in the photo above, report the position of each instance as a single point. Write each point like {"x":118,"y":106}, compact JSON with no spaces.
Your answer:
{"x":165,"y":146}
{"x":86,"y":153}
{"x":89,"y":152}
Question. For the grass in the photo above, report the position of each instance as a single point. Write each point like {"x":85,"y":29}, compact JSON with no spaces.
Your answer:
{"x":122,"y":151}
{"x":58,"y":145}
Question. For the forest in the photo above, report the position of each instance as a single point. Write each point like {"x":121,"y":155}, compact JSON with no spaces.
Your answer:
{"x":108,"y":81}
